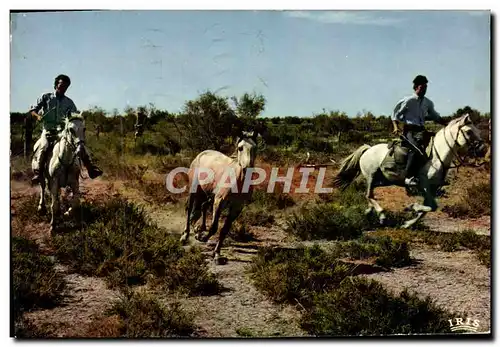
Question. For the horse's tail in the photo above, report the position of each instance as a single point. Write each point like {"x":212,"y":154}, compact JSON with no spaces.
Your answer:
{"x":349,"y":168}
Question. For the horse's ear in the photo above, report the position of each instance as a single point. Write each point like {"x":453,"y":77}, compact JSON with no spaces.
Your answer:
{"x":253,"y":135}
{"x":467,"y":119}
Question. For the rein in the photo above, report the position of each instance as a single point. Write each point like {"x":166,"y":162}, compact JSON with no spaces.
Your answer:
{"x":69,"y":138}
{"x":455,"y":154}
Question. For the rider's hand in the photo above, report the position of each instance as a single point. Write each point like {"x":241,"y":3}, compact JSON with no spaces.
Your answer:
{"x":395,"y":131}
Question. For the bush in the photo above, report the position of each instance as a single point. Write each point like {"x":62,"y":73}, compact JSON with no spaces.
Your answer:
{"x":120,"y":244}
{"x":36,"y":284}
{"x":286,"y":275}
{"x":142,"y":315}
{"x":476,"y":202}
{"x":386,"y":251}
{"x":276,"y":200}
{"x":448,"y":242}
{"x":257,"y":217}
{"x":360,"y":306}
{"x":329,"y":221}
{"x":336,"y":303}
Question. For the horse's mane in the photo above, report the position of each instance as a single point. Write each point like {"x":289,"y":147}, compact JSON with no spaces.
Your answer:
{"x":75,"y":116}
{"x":450,"y":124}
{"x":458,"y":119}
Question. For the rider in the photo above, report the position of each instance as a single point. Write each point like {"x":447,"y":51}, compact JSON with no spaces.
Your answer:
{"x":412,"y":111}
{"x":55,"y":107}
{"x":139,"y":125}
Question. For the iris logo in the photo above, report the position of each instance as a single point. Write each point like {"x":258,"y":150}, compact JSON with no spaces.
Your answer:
{"x":458,"y":324}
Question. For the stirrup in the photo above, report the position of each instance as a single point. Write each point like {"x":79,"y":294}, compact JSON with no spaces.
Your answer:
{"x":36,"y":178}
{"x":411,"y":182}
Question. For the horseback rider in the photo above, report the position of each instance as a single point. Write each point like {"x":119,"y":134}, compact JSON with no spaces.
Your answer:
{"x":412,"y":111}
{"x":56,"y":106}
{"x":140,"y":120}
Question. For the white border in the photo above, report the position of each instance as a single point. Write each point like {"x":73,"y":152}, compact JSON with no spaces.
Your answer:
{"x":190,"y":4}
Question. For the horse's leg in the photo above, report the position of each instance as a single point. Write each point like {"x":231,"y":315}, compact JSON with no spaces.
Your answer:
{"x":204,"y":210}
{"x":75,"y":201}
{"x":185,"y":235}
{"x":54,"y":192}
{"x":369,"y":195}
{"x":217,"y":209}
{"x":234,"y":212}
{"x":371,"y":200}
{"x":429,"y":205}
{"x":195,"y":216}
{"x":41,"y":204}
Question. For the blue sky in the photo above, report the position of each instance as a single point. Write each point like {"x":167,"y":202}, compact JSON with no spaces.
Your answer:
{"x":301,"y":61}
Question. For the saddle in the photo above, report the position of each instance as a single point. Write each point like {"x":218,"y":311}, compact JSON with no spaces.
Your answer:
{"x":398,"y":153}
{"x":394,"y":164}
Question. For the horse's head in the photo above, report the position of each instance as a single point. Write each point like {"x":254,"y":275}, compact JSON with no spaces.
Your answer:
{"x":75,"y":127}
{"x":467,"y":136}
{"x":246,"y":147}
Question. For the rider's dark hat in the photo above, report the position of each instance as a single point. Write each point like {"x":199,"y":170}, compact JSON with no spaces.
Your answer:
{"x":420,"y":79}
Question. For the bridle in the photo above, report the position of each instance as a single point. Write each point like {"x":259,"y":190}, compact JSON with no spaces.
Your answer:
{"x":474,"y":145}
{"x":70,"y":137}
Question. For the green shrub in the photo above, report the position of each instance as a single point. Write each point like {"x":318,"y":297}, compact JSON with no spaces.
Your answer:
{"x":256,"y":216}
{"x":142,"y":315}
{"x":361,"y":306}
{"x":386,"y":251}
{"x":329,"y":221}
{"x":286,"y":275}
{"x":476,"y":202}
{"x":36,"y":284}
{"x":468,"y":239}
{"x":120,"y":243}
{"x":276,"y":200}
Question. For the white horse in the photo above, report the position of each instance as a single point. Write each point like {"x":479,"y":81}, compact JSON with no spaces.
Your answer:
{"x":458,"y":136}
{"x":62,"y":166}
{"x":208,"y":188}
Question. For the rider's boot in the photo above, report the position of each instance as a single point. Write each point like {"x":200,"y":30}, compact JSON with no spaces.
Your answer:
{"x":37,"y":171}
{"x":36,"y":177}
{"x":410,"y":179}
{"x":92,"y":169}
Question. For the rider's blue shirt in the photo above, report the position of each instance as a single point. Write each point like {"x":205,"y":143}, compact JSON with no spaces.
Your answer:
{"x":54,"y":109}
{"x":414,"y":110}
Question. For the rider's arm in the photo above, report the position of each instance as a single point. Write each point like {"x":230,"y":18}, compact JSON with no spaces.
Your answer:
{"x":432,"y":114}
{"x":398,"y":113}
{"x":35,"y":109}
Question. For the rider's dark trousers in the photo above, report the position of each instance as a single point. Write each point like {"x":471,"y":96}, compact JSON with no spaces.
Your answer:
{"x":415,"y":134}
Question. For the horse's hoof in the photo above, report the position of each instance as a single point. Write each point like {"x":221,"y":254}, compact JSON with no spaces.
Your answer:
{"x":201,"y":238}
{"x":422,"y":208}
{"x":406,"y":225}
{"x":368,"y":211}
{"x":220,"y":260}
{"x":183,"y":240}
{"x":382,"y":220}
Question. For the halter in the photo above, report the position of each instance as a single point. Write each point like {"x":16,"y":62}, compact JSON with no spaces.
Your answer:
{"x":70,"y":139}
{"x":455,"y":154}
